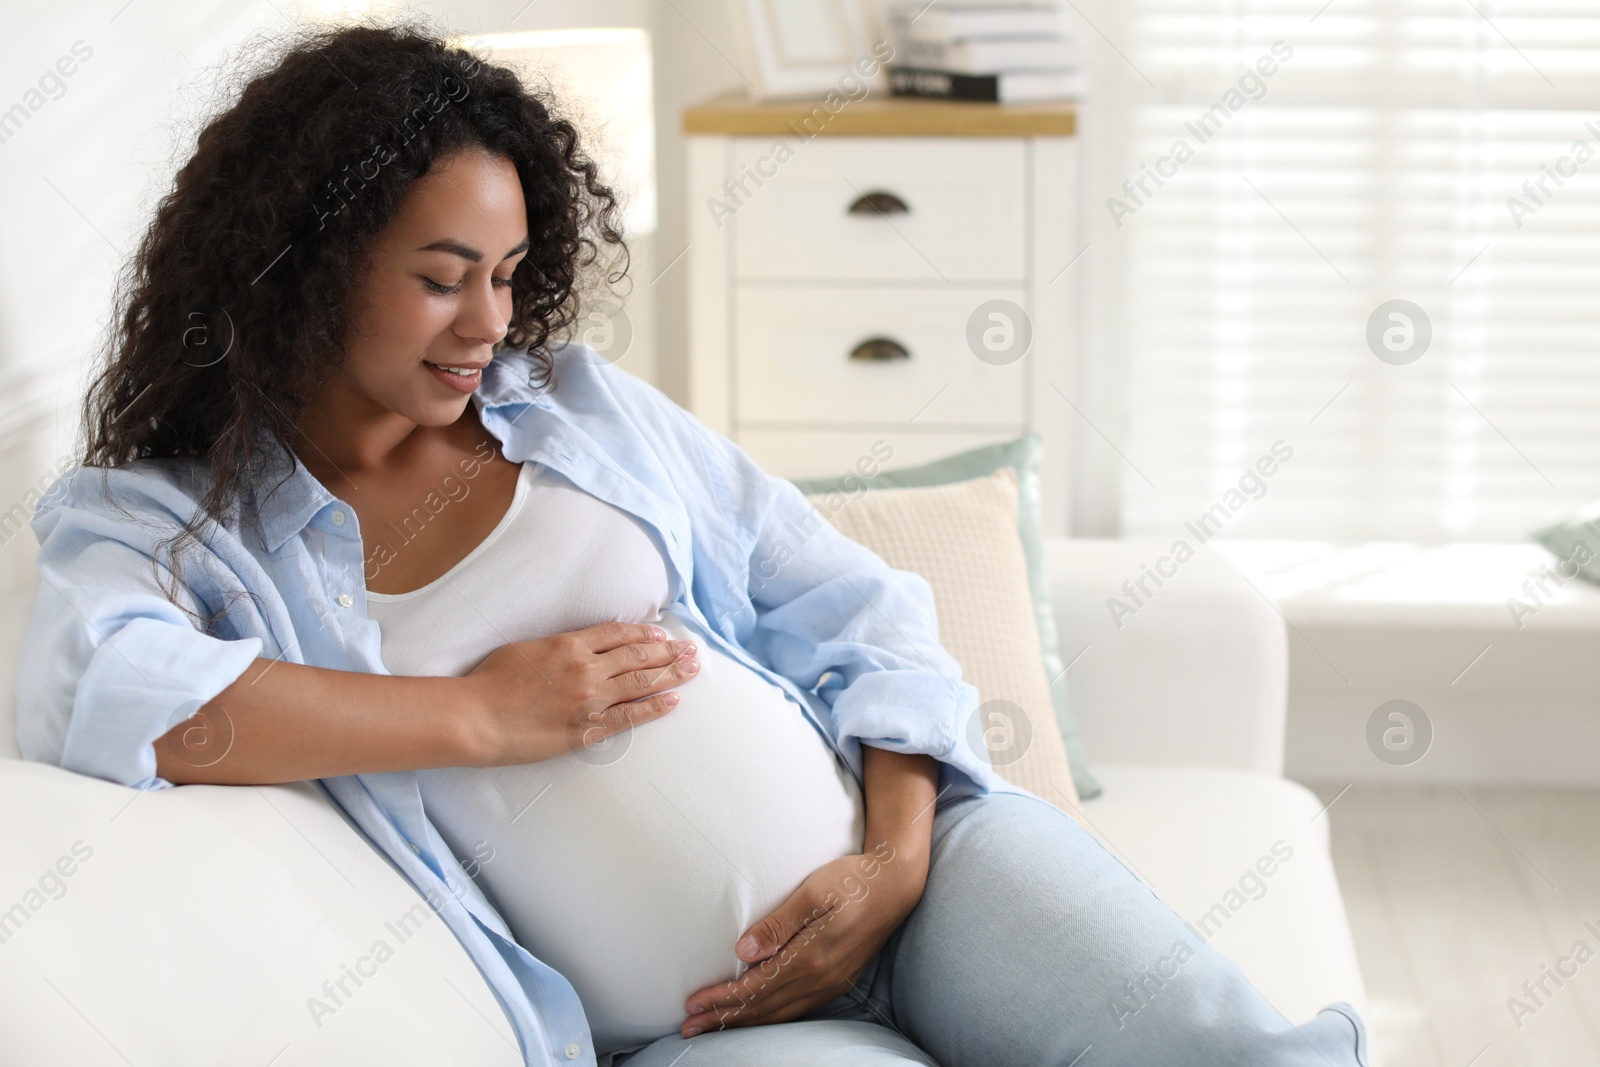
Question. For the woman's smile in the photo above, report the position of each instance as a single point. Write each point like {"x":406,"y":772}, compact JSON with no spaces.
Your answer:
{"x":461,"y":377}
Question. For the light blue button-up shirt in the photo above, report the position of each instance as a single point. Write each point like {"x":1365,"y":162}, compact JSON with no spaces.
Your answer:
{"x":109,"y":664}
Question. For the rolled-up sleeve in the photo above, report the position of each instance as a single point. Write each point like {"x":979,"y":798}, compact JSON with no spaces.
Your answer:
{"x":108,"y":663}
{"x":827,"y":605}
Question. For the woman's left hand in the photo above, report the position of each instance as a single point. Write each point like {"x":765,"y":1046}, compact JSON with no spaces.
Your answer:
{"x":813,"y":948}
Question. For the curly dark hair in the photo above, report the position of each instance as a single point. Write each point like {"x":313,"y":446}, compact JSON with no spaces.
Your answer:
{"x":265,"y":236}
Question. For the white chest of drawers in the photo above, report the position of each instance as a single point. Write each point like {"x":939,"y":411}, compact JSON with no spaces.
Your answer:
{"x":882,"y":285}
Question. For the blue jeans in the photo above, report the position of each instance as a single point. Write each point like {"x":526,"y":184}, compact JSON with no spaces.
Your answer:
{"x":1033,"y":946}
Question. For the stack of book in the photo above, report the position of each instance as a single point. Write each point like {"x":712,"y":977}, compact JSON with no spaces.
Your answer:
{"x":1001,"y":51}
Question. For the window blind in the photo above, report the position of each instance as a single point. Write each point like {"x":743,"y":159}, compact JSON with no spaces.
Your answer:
{"x":1446,"y":154}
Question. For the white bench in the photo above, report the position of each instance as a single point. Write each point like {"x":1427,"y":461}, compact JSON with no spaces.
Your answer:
{"x":1496,"y":648}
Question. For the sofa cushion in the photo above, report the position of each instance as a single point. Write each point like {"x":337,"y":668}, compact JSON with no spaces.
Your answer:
{"x":1575,"y":542}
{"x":962,"y":538}
{"x":1023,"y":457}
{"x":198,"y":925}
{"x":1244,"y":858}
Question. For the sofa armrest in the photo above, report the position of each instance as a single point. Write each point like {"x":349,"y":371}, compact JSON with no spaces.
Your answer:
{"x":1196,"y":672}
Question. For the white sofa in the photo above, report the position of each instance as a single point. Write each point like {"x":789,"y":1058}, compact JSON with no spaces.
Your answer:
{"x":205,"y":924}
{"x":1490,"y":640}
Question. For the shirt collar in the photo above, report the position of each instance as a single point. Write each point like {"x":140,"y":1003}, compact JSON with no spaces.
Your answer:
{"x":283,"y":510}
{"x":507,"y":380}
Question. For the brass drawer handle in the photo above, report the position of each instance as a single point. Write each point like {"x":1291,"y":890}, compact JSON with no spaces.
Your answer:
{"x":879,"y":203}
{"x":879,"y":350}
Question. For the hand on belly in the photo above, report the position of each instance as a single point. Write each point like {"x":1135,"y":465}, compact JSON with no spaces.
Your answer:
{"x":632,"y":867}
{"x":815,"y":945}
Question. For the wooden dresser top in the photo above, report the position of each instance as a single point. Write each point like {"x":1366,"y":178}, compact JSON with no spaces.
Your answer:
{"x":879,"y":115}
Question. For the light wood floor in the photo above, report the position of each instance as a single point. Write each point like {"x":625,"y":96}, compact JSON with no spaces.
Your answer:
{"x":1458,"y":897}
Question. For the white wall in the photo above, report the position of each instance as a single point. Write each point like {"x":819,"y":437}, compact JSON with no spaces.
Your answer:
{"x":697,"y":57}
{"x":78,"y":177}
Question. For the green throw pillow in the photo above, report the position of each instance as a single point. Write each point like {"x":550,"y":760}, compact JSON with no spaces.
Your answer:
{"x":1022,"y":455}
{"x":1576,"y":543}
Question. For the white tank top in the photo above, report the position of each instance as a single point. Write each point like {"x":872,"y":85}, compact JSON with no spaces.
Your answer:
{"x":631,"y":867}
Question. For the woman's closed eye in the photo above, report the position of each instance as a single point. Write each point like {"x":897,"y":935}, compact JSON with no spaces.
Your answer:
{"x":437,"y":287}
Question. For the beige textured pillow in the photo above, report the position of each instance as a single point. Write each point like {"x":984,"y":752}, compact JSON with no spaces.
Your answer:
{"x":962,"y":537}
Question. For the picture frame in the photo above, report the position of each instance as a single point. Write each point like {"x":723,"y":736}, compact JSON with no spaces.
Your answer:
{"x":796,"y":49}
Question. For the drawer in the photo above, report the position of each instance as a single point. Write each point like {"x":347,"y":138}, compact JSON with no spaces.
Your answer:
{"x":792,"y":357}
{"x":964,"y":201}
{"x":836,"y":453}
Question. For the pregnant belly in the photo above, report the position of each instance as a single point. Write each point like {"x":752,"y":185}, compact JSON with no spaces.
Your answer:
{"x":633,"y":866}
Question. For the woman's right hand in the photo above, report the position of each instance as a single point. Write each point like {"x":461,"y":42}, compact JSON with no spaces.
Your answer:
{"x":544,"y":698}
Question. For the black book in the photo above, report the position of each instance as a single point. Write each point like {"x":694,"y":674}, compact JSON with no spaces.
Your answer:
{"x":1011,"y":87}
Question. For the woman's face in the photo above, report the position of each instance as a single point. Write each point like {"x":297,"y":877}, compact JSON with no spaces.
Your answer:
{"x":439,"y":293}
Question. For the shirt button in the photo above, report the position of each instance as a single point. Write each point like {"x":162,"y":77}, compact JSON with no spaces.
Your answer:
{"x":345,"y":600}
{"x":338,"y":518}
{"x":573,"y":1050}
{"x":414,"y":848}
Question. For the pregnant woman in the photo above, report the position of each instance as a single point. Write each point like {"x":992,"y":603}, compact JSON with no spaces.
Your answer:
{"x":351,"y":511}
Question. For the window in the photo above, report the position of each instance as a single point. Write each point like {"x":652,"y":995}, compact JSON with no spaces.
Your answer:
{"x":1441,"y":153}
